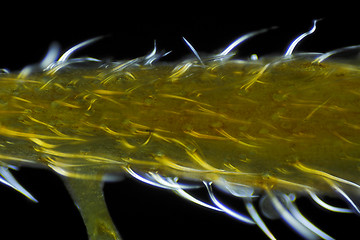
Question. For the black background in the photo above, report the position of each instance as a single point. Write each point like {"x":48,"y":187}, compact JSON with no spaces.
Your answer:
{"x":140,"y":211}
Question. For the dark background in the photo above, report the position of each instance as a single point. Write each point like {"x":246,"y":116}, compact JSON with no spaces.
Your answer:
{"x":140,"y":211}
